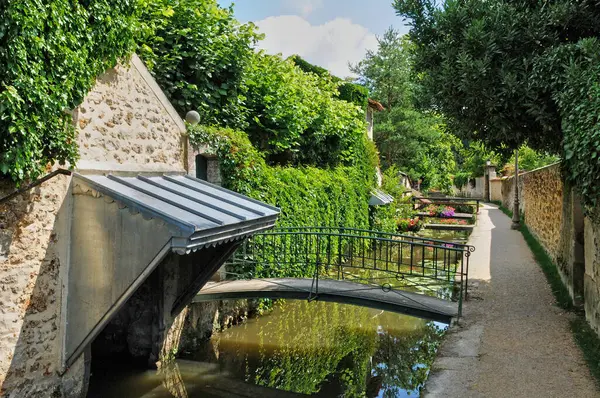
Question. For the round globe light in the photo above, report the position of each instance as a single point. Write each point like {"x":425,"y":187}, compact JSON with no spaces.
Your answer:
{"x":192,"y":117}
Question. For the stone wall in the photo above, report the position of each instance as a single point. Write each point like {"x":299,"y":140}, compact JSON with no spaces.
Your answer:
{"x":33,"y":237}
{"x":592,"y":271}
{"x":508,"y":194}
{"x":125,"y":125}
{"x":554,"y":215}
{"x":543,"y":197}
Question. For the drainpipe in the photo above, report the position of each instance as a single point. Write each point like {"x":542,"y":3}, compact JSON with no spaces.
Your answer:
{"x":516,"y":219}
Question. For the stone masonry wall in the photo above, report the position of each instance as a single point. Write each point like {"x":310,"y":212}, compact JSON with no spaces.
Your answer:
{"x":543,"y":196}
{"x":31,"y":236}
{"x":125,"y":124}
{"x":508,"y":194}
{"x":592,"y":271}
{"x":554,"y":215}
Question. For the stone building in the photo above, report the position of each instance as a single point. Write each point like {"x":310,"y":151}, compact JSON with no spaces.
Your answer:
{"x":113,"y":238}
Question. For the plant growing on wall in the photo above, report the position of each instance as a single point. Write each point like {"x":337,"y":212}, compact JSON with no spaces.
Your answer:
{"x":295,"y":117}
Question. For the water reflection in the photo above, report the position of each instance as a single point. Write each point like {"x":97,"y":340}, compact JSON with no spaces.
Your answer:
{"x":329,"y":349}
{"x":320,"y":349}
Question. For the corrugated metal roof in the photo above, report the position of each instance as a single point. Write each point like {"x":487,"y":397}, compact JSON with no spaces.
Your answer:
{"x":378,"y":198}
{"x":205,"y":214}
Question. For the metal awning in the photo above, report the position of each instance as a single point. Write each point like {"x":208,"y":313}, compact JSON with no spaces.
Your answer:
{"x":124,"y":228}
{"x":378,"y":198}
{"x":200,"y":213}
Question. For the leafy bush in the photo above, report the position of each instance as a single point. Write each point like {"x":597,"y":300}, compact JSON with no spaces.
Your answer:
{"x":50,"y":55}
{"x":462,"y":208}
{"x":409,"y":224}
{"x":295,"y":117}
{"x":349,"y":92}
{"x":198,"y":54}
{"x":579,"y":104}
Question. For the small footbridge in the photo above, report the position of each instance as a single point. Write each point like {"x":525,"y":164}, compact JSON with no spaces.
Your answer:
{"x":402,"y":273}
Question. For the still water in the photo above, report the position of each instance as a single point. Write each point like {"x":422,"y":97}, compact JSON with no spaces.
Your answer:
{"x":299,"y":348}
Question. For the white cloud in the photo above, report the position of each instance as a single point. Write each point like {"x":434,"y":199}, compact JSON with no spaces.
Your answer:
{"x":304,"y":7}
{"x":331,"y":45}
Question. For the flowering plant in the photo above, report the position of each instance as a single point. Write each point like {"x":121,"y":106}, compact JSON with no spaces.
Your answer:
{"x":440,"y":211}
{"x":447,"y":212}
{"x":409,"y":224}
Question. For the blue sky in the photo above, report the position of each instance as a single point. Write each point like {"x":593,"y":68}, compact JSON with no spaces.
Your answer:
{"x":330,"y":33}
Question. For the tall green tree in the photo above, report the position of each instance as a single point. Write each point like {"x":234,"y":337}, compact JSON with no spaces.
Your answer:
{"x":515,"y":72}
{"x":386,"y":71}
{"x":198,"y":53}
{"x":477,"y":60}
{"x":417,"y":142}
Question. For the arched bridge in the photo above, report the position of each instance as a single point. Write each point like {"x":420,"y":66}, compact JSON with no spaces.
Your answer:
{"x":402,"y":273}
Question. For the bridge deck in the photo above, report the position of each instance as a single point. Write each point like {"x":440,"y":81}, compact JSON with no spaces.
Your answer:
{"x":336,"y":291}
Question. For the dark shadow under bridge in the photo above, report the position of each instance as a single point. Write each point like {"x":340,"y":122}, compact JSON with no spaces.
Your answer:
{"x":402,"y":273}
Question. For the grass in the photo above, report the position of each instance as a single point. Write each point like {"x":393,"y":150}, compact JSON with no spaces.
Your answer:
{"x":586,"y":337}
{"x":588,"y":341}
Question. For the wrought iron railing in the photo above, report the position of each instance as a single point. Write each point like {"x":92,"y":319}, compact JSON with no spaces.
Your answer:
{"x":390,"y":261}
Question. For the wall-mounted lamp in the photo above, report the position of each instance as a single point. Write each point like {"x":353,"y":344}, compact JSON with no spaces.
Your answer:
{"x":192,"y":117}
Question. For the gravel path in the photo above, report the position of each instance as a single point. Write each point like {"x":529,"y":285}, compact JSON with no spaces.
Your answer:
{"x":513,"y":341}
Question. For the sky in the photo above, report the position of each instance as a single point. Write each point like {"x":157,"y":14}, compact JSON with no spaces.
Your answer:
{"x":329,"y":33}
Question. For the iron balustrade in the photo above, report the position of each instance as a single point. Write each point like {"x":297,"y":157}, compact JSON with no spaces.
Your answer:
{"x":389,"y":261}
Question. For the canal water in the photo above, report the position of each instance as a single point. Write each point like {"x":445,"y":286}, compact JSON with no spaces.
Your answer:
{"x":299,"y":348}
{"x":311,"y":348}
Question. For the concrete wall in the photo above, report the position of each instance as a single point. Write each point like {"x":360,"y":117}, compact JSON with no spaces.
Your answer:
{"x":125,"y":125}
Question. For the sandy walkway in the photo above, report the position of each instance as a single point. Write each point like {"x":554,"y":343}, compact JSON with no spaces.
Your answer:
{"x":513,"y":341}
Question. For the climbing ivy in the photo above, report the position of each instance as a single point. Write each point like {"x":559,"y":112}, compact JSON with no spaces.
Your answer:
{"x":579,"y":103}
{"x":306,"y":195}
{"x":50,"y":55}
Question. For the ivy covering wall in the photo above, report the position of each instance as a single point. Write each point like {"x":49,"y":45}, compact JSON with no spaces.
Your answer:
{"x":307,"y":196}
{"x":50,"y":55}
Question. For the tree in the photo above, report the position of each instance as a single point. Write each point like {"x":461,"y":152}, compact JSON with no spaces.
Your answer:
{"x":478,"y":60}
{"x":386,"y":71}
{"x":198,"y":54}
{"x":529,"y":159}
{"x":418,"y":144}
{"x":296,"y":118}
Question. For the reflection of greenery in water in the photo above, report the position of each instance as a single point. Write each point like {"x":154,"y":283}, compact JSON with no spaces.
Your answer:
{"x":330,"y":349}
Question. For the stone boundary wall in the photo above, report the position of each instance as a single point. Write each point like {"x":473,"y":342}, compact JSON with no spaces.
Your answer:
{"x":591,"y":277}
{"x":508,"y":194}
